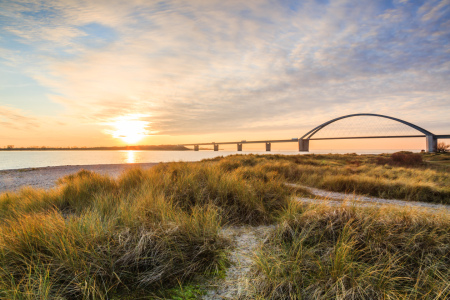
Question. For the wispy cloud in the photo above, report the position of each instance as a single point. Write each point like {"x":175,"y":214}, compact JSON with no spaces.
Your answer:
{"x":11,"y":118}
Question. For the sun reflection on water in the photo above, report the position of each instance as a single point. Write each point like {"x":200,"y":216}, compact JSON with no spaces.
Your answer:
{"x":131,"y":157}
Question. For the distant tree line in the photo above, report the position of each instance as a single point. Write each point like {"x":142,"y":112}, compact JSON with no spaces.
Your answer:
{"x":142,"y":147}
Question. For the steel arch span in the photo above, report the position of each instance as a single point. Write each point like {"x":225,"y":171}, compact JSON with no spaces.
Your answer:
{"x":431,"y":139}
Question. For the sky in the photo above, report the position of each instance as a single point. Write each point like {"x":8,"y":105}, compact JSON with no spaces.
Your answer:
{"x":107,"y":73}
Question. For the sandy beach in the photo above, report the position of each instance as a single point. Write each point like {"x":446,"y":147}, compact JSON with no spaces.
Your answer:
{"x":45,"y":178}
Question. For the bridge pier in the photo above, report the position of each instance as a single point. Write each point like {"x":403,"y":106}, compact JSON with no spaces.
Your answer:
{"x":216,"y":147}
{"x":196,"y":147}
{"x":431,"y":143}
{"x":303,"y":145}
{"x":239,"y":147}
{"x":268,"y":146}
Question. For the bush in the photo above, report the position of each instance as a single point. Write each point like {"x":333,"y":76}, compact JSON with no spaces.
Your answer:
{"x":442,"y":147}
{"x":401,"y":159}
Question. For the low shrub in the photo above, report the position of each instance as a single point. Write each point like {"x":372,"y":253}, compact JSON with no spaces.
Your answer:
{"x":401,"y":159}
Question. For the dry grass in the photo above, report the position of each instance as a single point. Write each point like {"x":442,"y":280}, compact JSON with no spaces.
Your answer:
{"x":361,"y":175}
{"x":150,"y":233}
{"x":319,"y":252}
{"x":94,"y":238}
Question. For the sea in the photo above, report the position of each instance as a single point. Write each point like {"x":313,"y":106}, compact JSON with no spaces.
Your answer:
{"x":35,"y":159}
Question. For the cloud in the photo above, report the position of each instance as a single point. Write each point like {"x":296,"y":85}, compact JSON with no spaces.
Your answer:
{"x":15,"y":119}
{"x":210,"y":66}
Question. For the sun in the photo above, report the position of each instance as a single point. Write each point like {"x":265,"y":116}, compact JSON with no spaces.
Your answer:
{"x":129,"y":128}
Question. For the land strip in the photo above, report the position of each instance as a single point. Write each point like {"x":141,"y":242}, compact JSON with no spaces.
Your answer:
{"x":139,"y":147}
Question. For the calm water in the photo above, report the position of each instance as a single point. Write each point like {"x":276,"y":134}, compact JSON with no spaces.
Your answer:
{"x":36,"y":159}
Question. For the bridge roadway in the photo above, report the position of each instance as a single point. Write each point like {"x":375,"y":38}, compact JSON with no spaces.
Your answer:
{"x":269,"y":142}
{"x":239,"y":144}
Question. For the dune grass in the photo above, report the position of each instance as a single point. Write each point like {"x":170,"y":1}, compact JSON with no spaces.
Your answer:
{"x":95,"y":238}
{"x":154,"y":234}
{"x":359,"y":174}
{"x":319,"y":252}
{"x":147,"y":232}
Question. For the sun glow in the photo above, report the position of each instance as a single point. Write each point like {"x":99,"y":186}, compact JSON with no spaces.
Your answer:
{"x":129,"y":128}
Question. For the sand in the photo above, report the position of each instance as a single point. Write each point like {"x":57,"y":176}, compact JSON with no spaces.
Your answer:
{"x":236,"y":284}
{"x":45,"y":178}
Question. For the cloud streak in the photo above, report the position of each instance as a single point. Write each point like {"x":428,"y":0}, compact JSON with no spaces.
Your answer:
{"x":11,"y":118}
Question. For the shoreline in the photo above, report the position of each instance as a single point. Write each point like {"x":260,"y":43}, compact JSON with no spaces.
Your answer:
{"x":12,"y":180}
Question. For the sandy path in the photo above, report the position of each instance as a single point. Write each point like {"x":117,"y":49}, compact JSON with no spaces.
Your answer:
{"x":45,"y":178}
{"x":336,"y":198}
{"x":236,"y":283}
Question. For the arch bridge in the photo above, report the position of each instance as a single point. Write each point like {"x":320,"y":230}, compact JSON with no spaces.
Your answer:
{"x":303,"y":142}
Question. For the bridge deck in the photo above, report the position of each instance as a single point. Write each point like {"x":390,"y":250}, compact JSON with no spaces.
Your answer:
{"x":316,"y":139}
{"x":242,"y":142}
{"x":369,"y":137}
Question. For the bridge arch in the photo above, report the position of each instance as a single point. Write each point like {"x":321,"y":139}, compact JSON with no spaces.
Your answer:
{"x":431,"y":139}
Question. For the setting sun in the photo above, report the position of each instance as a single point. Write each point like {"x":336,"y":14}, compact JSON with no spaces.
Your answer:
{"x":129,"y":128}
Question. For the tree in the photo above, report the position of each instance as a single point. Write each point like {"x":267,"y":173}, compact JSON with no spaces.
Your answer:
{"x":442,"y":147}
{"x":10,"y":147}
